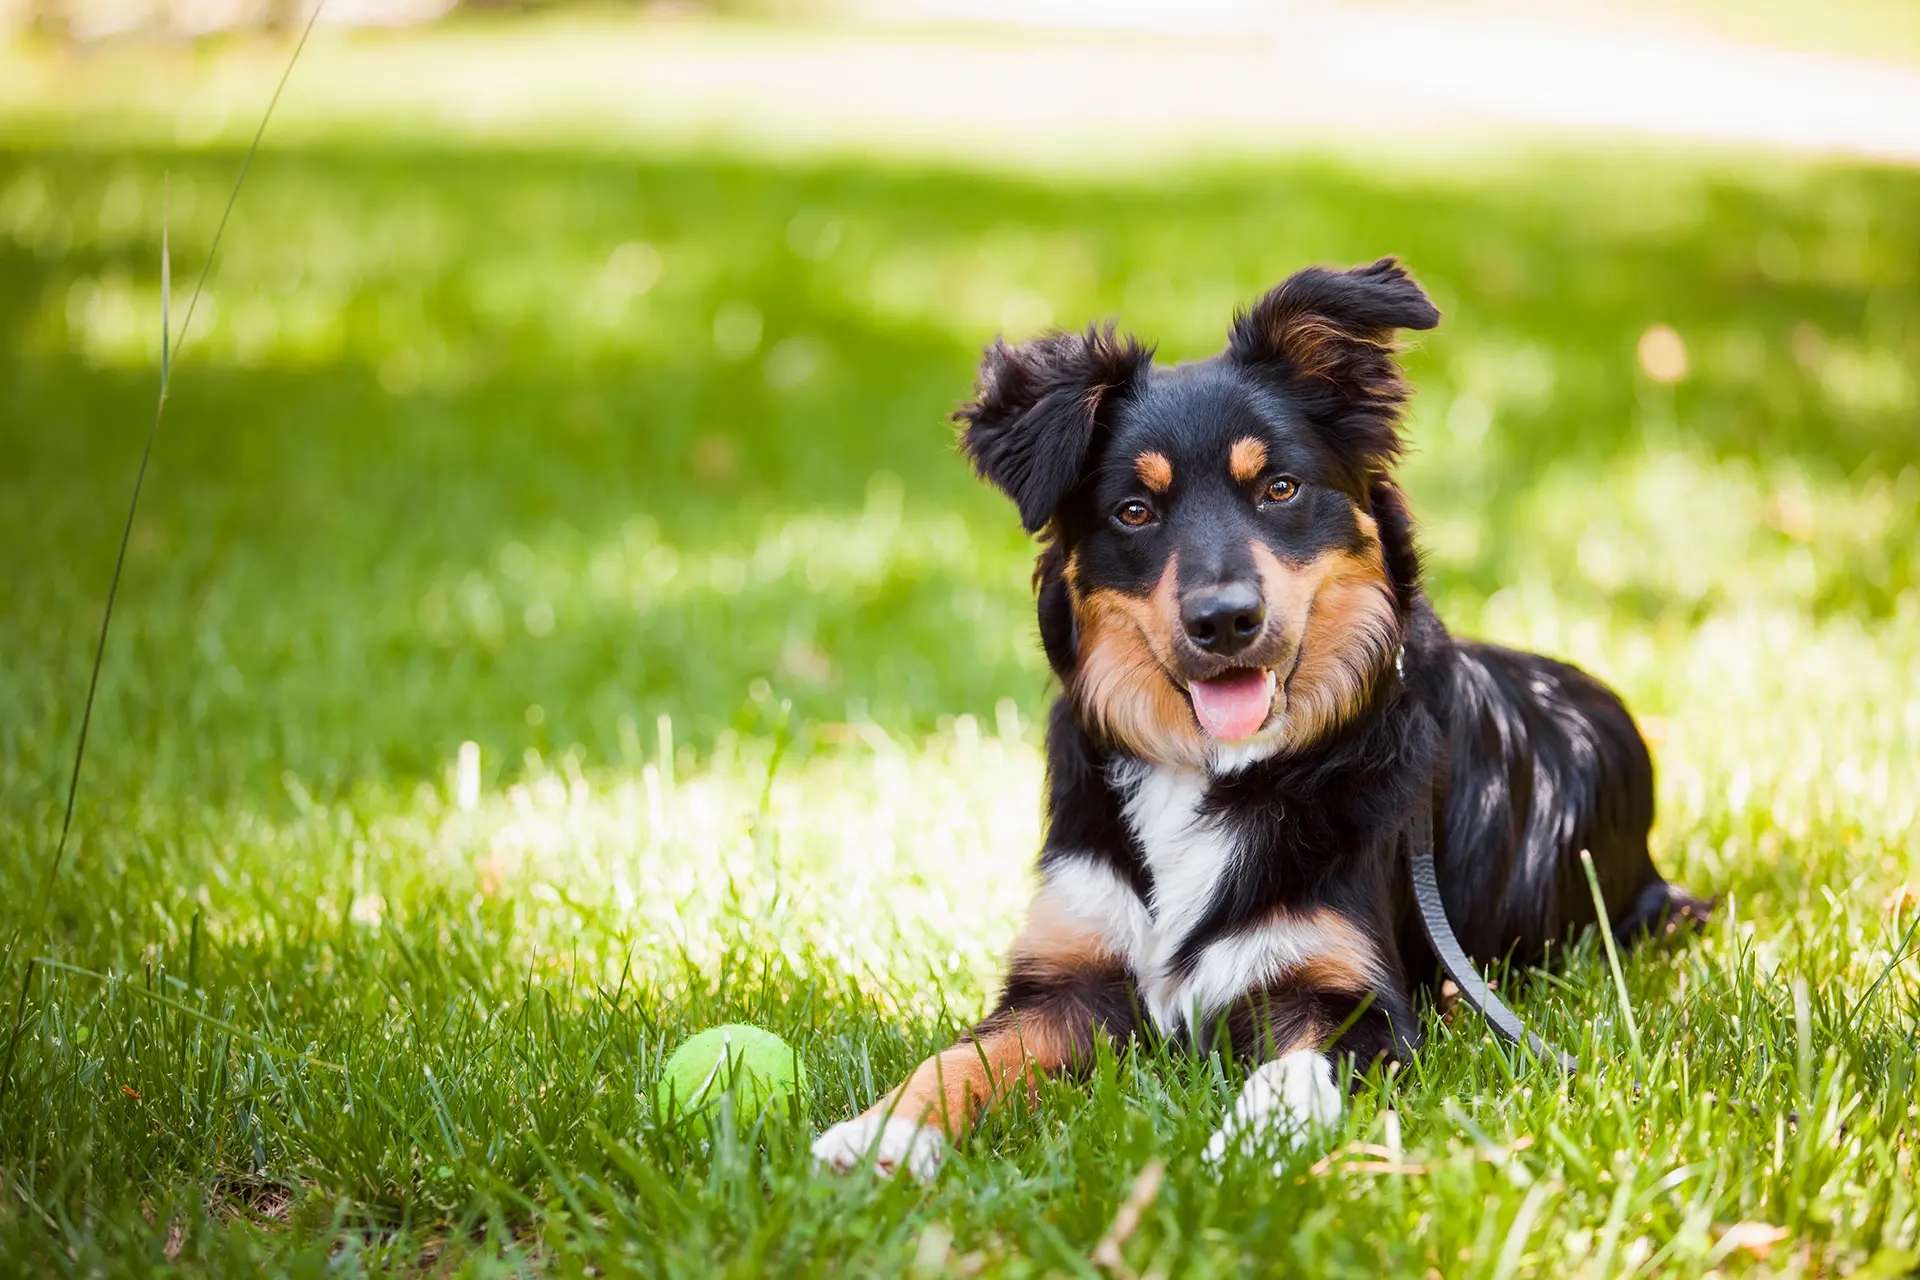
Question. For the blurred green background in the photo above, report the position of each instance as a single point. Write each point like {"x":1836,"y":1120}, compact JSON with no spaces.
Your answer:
{"x":617,"y":435}
{"x":545,"y":401}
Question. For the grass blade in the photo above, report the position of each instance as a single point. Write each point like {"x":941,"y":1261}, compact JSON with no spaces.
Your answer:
{"x":1613,"y":957}
{"x":181,"y":1007}
{"x":133,"y":508}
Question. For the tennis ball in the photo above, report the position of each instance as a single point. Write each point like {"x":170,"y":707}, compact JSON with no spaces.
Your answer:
{"x":756,"y":1068}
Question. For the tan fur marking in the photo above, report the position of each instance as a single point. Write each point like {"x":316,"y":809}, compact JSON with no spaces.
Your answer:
{"x":1347,"y":960}
{"x":1319,"y":348}
{"x":1350,"y":632}
{"x":1311,"y":1036}
{"x":951,"y":1089}
{"x":1055,"y":944}
{"x":1120,"y":678}
{"x":1350,"y":964}
{"x":1154,"y":471}
{"x":1247,"y":459}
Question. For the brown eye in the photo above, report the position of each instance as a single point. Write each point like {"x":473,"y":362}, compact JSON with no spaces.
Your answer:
{"x":1134,"y":514}
{"x":1281,"y":490}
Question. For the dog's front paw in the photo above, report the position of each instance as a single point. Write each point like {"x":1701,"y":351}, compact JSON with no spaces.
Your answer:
{"x":1293,"y":1096}
{"x":896,"y":1144}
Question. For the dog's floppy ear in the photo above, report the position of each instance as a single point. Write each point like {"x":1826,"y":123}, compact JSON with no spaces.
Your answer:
{"x":1036,"y":411}
{"x":1330,"y":334}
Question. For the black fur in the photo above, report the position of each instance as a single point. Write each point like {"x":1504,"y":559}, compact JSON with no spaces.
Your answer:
{"x":1523,"y":761}
{"x":1037,"y":409}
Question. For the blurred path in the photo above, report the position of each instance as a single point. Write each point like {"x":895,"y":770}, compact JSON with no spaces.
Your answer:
{"x":1213,"y":82}
{"x":1560,"y":75}
{"x":1209,"y":72}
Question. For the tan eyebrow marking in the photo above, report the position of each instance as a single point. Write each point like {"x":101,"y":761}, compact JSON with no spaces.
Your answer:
{"x":1247,"y":459}
{"x":1154,"y":471}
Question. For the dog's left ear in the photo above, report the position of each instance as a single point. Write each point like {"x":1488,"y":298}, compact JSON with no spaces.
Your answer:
{"x":1037,"y":410}
{"x":1330,"y":334}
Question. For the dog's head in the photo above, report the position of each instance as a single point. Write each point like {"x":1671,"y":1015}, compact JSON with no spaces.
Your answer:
{"x":1227,"y":560}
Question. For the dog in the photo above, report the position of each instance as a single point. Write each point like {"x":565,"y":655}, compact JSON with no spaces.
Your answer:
{"x":1256,"y":699}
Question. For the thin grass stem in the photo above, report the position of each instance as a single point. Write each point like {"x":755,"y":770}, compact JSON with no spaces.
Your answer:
{"x":1613,"y":958}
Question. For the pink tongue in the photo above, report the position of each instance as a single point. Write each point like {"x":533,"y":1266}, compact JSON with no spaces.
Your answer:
{"x":1233,"y":707}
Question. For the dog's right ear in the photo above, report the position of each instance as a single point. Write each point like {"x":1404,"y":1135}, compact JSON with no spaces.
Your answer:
{"x":1038,"y":408}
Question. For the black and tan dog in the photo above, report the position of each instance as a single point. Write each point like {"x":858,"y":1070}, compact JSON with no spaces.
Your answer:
{"x":1256,"y":700}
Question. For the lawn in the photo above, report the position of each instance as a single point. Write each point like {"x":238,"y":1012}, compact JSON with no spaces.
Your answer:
{"x":629,"y":465}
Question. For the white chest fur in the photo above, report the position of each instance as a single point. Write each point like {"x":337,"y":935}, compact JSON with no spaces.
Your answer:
{"x":1186,"y":853}
{"x":1188,"y":856}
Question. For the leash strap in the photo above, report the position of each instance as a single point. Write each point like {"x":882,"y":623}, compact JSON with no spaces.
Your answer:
{"x":1473,"y":988}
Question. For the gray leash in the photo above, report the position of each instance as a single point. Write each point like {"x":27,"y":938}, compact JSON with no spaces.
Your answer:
{"x":1473,"y":988}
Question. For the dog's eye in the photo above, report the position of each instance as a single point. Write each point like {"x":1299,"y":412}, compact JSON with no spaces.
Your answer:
{"x":1282,"y":489}
{"x":1134,"y":514}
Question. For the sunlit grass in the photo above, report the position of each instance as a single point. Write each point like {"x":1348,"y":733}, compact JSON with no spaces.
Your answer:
{"x":627,"y":476}
{"x":503,"y":975}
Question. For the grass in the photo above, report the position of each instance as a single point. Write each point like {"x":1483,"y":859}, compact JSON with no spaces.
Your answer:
{"x":629,"y":467}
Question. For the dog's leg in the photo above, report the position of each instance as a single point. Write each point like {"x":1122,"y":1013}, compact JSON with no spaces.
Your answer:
{"x":1064,"y":992}
{"x":912,"y":1127}
{"x":1661,"y":910}
{"x":1292,"y":1097}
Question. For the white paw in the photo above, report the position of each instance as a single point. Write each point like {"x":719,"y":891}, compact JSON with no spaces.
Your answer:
{"x":1293,"y":1096}
{"x":895,"y":1143}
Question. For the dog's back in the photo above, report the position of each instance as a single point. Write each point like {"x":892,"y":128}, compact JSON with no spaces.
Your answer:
{"x":1544,"y":761}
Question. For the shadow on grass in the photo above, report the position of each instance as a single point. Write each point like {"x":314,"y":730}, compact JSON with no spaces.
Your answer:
{"x":529,"y":448}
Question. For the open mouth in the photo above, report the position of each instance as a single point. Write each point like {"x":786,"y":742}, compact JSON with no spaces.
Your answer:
{"x":1233,"y":706}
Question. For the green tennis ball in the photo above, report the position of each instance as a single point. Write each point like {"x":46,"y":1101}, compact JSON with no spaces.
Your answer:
{"x":756,"y":1068}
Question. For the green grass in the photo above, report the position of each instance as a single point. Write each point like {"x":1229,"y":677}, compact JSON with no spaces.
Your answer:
{"x":450,"y":464}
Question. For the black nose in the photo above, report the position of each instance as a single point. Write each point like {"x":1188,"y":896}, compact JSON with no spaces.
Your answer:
{"x":1224,"y":620}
